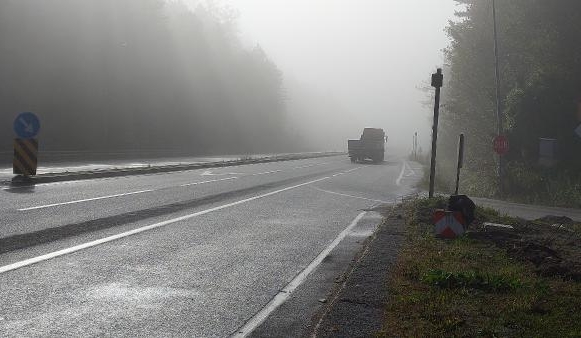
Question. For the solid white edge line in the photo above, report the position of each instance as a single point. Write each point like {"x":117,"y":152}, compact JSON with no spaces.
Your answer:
{"x":87,"y":245}
{"x":285,"y":293}
{"x":398,"y":181}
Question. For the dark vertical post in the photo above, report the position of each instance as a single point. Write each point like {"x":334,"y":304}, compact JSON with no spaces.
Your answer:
{"x":416,"y":146}
{"x":437,"y":82}
{"x":460,"y":162}
{"x":498,"y":99}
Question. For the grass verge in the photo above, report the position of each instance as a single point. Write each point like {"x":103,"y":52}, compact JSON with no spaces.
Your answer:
{"x":474,"y":286}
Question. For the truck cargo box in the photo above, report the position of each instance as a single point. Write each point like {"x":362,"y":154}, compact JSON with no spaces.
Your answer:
{"x":371,"y":146}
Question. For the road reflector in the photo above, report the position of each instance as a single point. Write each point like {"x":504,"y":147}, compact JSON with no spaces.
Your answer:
{"x":25,"y":156}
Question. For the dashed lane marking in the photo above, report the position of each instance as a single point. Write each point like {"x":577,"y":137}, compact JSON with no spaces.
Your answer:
{"x":117,"y":195}
{"x":267,"y":172}
{"x":85,"y":200}
{"x":153,"y":190}
{"x":211,"y":181}
{"x":311,"y":165}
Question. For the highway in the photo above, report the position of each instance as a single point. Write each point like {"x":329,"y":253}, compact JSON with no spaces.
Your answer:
{"x":199,"y":253}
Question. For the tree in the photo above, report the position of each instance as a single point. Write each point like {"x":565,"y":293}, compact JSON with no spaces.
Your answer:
{"x":539,"y":60}
{"x":137,"y":75}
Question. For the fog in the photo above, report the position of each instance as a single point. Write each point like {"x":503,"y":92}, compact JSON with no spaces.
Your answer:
{"x":144,"y":75}
{"x":353,"y":63}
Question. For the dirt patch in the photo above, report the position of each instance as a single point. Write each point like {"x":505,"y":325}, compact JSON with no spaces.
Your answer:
{"x":550,"y":243}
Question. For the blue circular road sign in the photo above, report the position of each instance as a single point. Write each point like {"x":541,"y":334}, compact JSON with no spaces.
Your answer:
{"x":26,"y":125}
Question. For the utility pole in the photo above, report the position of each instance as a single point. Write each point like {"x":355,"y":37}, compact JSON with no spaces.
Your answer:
{"x":499,"y":116}
{"x":437,"y":82}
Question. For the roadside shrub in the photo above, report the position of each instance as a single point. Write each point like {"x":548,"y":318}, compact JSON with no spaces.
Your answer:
{"x":522,"y":179}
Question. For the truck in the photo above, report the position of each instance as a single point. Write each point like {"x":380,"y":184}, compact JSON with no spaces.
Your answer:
{"x":371,"y":146}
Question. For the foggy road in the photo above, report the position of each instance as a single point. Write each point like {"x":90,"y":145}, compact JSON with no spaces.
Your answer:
{"x":195,"y":253}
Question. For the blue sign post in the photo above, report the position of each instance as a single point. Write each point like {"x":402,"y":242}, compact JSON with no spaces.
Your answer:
{"x":26,"y":125}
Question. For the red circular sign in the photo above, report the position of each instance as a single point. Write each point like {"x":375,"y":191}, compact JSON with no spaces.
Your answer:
{"x":500,"y":145}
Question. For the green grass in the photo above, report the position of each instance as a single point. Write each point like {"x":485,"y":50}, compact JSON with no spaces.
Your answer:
{"x":471,"y":288}
{"x":471,"y":279}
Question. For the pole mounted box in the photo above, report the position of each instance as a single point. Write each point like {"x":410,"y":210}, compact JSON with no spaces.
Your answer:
{"x":438,"y":79}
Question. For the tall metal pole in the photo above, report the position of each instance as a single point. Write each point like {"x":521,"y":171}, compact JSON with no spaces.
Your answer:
{"x":498,"y":99}
{"x":460,"y":162}
{"x":437,"y":82}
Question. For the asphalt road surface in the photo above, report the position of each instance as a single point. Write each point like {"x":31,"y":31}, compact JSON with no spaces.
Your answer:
{"x":200,"y":253}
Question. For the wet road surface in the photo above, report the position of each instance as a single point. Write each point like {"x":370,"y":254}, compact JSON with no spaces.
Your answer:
{"x":193,"y":254}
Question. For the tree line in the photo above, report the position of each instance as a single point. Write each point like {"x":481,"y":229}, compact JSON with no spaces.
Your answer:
{"x":540,"y":63}
{"x":108,"y":75}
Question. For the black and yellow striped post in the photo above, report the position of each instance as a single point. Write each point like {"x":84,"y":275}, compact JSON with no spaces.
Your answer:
{"x":25,"y":156}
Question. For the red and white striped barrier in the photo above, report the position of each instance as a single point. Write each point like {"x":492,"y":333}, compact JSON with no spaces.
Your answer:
{"x":449,"y":224}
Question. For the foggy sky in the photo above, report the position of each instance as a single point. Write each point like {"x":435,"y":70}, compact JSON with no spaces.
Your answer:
{"x":369,"y":56}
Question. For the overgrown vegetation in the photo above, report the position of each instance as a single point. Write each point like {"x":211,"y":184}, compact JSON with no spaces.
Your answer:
{"x":540,"y":96}
{"x":474,"y":286}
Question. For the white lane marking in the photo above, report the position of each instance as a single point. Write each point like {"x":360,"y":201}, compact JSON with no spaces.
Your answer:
{"x":286,"y":292}
{"x":311,"y":165}
{"x":412,"y":170}
{"x":346,"y":172}
{"x":87,"y":245}
{"x":267,"y":172}
{"x":47,"y":184}
{"x":351,"y":196}
{"x":118,"y":195}
{"x":42,"y":185}
{"x":210,"y":173}
{"x":400,"y":177}
{"x":211,"y":181}
{"x":351,"y":170}
{"x":85,"y":200}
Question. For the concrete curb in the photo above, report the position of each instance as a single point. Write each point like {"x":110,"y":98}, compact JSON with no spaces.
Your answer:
{"x":87,"y":175}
